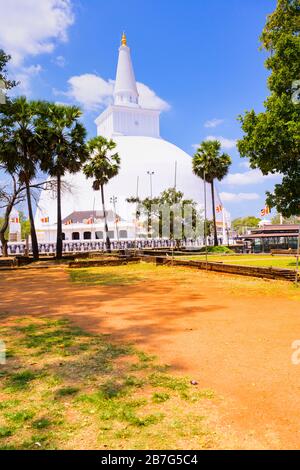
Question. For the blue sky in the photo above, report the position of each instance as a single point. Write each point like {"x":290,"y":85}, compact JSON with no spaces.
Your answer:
{"x":198,"y":60}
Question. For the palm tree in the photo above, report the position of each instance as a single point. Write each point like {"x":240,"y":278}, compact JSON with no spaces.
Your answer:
{"x":20,"y":147}
{"x":65,"y":151}
{"x":210,"y":164}
{"x":102,"y":166}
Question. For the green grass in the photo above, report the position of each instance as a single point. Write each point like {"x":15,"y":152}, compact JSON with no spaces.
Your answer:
{"x":65,"y":388}
{"x":103,"y":276}
{"x":279,"y":261}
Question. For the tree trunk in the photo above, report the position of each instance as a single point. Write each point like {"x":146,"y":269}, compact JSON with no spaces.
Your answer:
{"x":107,"y":240}
{"x":34,"y":242}
{"x":59,"y":242}
{"x":4,"y":228}
{"x":214,"y":213}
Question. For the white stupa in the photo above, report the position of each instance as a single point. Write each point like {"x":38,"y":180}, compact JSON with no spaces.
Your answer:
{"x":148,"y":164}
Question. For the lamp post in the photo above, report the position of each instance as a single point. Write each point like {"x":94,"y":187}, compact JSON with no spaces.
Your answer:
{"x":113,"y":201}
{"x":150,"y":173}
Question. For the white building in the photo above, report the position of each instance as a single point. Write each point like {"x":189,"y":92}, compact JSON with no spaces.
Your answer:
{"x":148,"y":165}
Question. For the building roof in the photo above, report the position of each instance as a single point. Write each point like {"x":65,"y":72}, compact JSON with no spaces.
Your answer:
{"x":268,"y":231}
{"x":78,"y":217}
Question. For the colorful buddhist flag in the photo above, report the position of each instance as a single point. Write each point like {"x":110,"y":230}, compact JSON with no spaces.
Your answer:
{"x":45,"y":220}
{"x":15,"y":220}
{"x":69,"y":222}
{"x":265,"y":211}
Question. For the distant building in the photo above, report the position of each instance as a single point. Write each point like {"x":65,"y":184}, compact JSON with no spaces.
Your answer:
{"x":272,"y":237}
{"x":89,"y":225}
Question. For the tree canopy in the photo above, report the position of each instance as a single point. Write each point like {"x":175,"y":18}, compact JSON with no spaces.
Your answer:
{"x":271,"y":138}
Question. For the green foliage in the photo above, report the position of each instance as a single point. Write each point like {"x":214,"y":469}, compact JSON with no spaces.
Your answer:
{"x":174,"y":201}
{"x":5,"y":431}
{"x":217,"y":249}
{"x":4,"y":59}
{"x":21,"y":380}
{"x":286,"y":220}
{"x":210,"y":162}
{"x":102,"y":165}
{"x":25,"y":225}
{"x":242,"y":223}
{"x":67,"y":391}
{"x":64,"y":137}
{"x":272,"y":138}
{"x":158,"y":397}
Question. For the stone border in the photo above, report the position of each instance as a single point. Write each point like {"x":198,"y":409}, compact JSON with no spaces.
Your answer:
{"x":253,"y":271}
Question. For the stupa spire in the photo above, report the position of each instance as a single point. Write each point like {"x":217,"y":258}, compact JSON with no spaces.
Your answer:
{"x":125,"y":92}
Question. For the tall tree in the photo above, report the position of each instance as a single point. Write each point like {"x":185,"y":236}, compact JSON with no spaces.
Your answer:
{"x":210,"y":164}
{"x":21,"y":147}
{"x":65,"y":149}
{"x":102,"y":166}
{"x":4,"y":59}
{"x":271,"y":138}
{"x":10,"y":195}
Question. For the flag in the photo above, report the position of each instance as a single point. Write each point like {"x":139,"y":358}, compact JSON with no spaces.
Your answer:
{"x":45,"y":220}
{"x":219,"y":208}
{"x":265,"y":211}
{"x":15,"y":220}
{"x":69,"y":222}
{"x":90,"y":220}
{"x":117,"y":219}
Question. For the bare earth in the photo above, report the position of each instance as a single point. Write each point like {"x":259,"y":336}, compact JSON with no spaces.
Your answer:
{"x":212,"y":328}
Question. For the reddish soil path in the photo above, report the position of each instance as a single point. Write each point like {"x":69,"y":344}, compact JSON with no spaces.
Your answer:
{"x":233,"y":342}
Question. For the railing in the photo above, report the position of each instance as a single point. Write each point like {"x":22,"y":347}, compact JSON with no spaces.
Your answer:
{"x":19,"y":248}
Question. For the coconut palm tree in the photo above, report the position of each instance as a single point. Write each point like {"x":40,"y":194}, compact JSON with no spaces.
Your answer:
{"x":102,"y":166}
{"x":209,"y":164}
{"x":65,"y":150}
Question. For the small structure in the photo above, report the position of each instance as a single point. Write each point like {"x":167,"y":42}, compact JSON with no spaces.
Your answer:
{"x":273,"y":237}
{"x":89,"y":225}
{"x":14,"y":226}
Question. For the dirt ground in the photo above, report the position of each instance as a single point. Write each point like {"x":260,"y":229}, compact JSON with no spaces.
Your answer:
{"x":212,"y":328}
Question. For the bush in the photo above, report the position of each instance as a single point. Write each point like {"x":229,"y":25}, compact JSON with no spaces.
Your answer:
{"x":218,"y":249}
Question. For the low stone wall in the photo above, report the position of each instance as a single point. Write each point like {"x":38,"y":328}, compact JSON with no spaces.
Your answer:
{"x":103,"y":262}
{"x":267,"y":272}
{"x":254,"y":271}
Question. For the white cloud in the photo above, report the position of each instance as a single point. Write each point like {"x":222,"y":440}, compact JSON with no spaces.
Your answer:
{"x":225,"y":143}
{"x":213,"y":122}
{"x":24,"y":76}
{"x":93,"y":92}
{"x":89,"y":90}
{"x":248,"y":177}
{"x":149,"y":99}
{"x":33,"y":27}
{"x":238,"y":197}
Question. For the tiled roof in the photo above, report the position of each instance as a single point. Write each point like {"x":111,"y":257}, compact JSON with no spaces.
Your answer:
{"x":79,"y":217}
